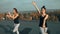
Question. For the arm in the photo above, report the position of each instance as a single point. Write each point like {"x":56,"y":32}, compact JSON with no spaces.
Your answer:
{"x":36,"y":6}
{"x":8,"y":15}
{"x":45,"y":20}
{"x":13,"y":17}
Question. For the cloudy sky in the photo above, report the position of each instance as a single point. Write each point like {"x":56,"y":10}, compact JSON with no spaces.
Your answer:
{"x":24,"y":5}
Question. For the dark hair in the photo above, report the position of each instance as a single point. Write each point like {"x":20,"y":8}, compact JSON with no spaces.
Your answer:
{"x":43,"y":7}
{"x":15,"y":10}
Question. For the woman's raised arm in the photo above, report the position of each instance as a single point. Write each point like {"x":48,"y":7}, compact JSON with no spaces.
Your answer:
{"x":34,"y":3}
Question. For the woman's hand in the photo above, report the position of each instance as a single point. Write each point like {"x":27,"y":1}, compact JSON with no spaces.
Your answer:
{"x":9,"y":13}
{"x":7,"y":16}
{"x":43,"y":25}
{"x":34,"y":3}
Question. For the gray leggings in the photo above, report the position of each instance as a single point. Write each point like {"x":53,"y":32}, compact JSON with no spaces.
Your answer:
{"x":43,"y":30}
{"x":16,"y":26}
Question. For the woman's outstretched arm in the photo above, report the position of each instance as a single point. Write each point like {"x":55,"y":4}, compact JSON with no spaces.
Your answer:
{"x":12,"y":16}
{"x":34,"y":3}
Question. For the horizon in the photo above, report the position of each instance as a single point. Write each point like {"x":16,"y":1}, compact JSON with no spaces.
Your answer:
{"x":29,"y":11}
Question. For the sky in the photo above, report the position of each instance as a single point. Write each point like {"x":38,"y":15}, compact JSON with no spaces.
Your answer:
{"x":26,"y":5}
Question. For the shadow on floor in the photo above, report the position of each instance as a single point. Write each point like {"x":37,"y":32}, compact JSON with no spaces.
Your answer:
{"x":25,"y":31}
{"x":6,"y":29}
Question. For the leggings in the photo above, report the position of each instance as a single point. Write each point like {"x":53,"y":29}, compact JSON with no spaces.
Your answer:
{"x":43,"y":30}
{"x":16,"y":26}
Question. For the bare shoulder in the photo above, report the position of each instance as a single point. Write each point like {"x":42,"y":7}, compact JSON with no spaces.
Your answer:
{"x":47,"y":15}
{"x":17,"y":14}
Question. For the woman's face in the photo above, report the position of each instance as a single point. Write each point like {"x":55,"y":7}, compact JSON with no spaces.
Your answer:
{"x":14,"y":11}
{"x":43,"y":10}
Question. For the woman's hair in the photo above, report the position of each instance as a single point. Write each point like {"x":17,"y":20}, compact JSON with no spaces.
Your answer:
{"x":15,"y":10}
{"x":43,"y":7}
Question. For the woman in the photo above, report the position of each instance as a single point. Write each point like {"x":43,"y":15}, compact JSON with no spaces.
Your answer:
{"x":15,"y":18}
{"x":43,"y":18}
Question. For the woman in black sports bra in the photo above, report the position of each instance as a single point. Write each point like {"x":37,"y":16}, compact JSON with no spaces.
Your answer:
{"x":43,"y":19}
{"x":15,"y":18}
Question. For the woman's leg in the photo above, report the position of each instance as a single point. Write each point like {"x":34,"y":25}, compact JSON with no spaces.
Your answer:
{"x":16,"y":28}
{"x":43,"y":31}
{"x":46,"y":30}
